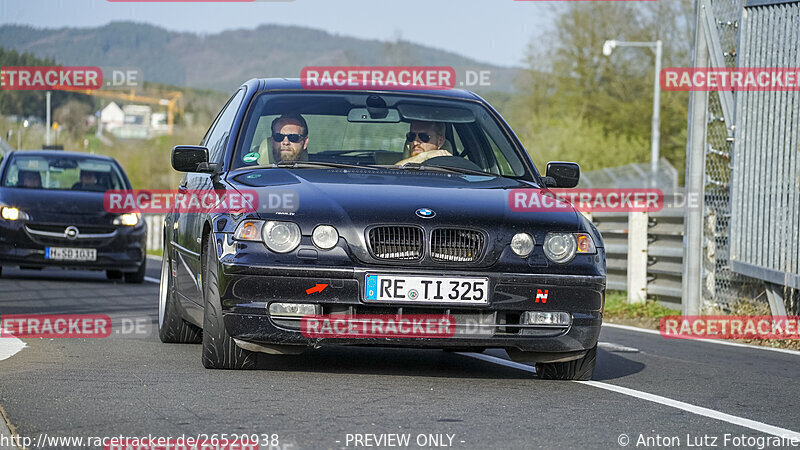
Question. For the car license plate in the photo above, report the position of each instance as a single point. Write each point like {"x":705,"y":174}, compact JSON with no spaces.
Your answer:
{"x":418,"y":289}
{"x":70,"y":254}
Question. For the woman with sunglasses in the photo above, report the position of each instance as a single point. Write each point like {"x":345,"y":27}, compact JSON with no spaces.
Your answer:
{"x":424,"y":141}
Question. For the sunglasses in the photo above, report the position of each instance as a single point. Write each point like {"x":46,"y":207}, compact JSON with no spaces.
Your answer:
{"x":424,"y":137}
{"x":293,"y":138}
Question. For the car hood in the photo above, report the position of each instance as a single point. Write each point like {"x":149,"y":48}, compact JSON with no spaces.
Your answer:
{"x":57,"y":206}
{"x":354,"y":199}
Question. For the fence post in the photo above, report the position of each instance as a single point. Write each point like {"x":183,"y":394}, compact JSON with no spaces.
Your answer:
{"x":637,"y":257}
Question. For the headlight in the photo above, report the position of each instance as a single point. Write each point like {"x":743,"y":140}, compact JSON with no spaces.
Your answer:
{"x":560,"y":247}
{"x":281,"y":237}
{"x":249,"y":230}
{"x":522,"y":244}
{"x":325,"y":237}
{"x":128,"y":219}
{"x":10,"y":213}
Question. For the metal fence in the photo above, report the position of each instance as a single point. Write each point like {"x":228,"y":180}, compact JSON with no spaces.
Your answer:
{"x":766,"y":171}
{"x":729,"y":34}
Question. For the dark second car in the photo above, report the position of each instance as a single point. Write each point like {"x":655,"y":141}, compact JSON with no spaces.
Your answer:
{"x":349,"y":222}
{"x":52,"y":214}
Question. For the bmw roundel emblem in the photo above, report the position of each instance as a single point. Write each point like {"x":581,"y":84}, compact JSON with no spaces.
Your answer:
{"x":425,"y":213}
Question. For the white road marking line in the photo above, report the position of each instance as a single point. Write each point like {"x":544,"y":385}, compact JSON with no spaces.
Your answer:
{"x":152,"y":280}
{"x":707,"y":341}
{"x":698,"y":410}
{"x":610,"y":346}
{"x":10,"y":346}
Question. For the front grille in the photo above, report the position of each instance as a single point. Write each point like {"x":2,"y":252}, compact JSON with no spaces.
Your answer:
{"x":456,"y":245}
{"x":83,"y":229}
{"x":401,"y":243}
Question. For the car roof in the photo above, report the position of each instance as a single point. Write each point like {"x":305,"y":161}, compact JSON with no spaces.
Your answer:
{"x":294,"y":84}
{"x":60,"y":153}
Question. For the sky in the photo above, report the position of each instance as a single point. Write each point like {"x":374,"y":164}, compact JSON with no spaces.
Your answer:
{"x":491,"y":31}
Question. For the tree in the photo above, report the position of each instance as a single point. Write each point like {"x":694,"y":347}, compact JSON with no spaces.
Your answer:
{"x":597,"y":109}
{"x":72,"y":116}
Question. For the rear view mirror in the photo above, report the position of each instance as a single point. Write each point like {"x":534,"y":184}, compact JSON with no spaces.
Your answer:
{"x":562,"y":174}
{"x":187,"y":158}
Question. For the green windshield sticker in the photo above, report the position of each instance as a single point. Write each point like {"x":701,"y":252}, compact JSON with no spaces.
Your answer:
{"x":253,"y":176}
{"x":250,"y":157}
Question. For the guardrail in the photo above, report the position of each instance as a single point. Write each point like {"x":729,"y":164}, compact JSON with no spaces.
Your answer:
{"x":644,"y":253}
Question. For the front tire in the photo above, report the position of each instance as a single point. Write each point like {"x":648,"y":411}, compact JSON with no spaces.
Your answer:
{"x":171,"y":327}
{"x":219,"y":350}
{"x":580,"y":369}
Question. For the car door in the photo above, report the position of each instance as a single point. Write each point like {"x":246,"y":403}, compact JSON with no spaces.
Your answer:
{"x":190,"y":223}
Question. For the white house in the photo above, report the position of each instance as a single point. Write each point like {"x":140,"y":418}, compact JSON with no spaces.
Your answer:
{"x":112,"y":116}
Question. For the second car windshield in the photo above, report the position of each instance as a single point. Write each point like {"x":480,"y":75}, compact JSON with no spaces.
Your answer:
{"x":348,"y":129}
{"x":62,"y":173}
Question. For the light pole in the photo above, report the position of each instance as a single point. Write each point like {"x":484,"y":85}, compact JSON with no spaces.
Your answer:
{"x":657,"y":47}
{"x":19,"y":133}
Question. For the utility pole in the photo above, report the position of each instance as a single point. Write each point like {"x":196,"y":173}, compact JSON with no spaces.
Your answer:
{"x":47,"y":130}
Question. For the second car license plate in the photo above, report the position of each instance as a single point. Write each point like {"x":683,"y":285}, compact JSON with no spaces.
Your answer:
{"x":70,"y":254}
{"x":419,"y":289}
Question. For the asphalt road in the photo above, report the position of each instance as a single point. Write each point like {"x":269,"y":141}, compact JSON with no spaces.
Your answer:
{"x":646,"y":389}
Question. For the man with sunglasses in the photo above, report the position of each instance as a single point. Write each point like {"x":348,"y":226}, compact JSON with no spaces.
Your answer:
{"x":424,"y":141}
{"x":289,"y":139}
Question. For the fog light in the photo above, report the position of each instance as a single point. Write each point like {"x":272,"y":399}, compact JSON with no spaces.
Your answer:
{"x":292,"y":309}
{"x":555,"y":319}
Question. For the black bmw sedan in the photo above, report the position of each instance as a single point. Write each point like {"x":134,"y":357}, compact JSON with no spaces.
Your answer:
{"x":52,"y":214}
{"x":376,"y":217}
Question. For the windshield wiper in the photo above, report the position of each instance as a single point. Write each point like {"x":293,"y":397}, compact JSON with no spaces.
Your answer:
{"x":422,"y":167}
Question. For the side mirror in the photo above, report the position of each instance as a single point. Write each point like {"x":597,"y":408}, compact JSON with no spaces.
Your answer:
{"x":562,"y":174}
{"x":188,"y":158}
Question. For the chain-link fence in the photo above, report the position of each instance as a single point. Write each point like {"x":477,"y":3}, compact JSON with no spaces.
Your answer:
{"x":708,"y":249}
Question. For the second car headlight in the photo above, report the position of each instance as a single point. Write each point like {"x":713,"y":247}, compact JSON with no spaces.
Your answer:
{"x":522,"y":244}
{"x":10,"y":213}
{"x":281,"y":237}
{"x":325,"y":237}
{"x":128,"y":219}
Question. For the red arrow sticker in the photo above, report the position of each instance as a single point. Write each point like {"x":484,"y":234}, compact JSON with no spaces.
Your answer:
{"x":317,"y":288}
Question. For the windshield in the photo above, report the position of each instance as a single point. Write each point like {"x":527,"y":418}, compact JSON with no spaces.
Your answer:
{"x":59,"y":172}
{"x":375,"y":130}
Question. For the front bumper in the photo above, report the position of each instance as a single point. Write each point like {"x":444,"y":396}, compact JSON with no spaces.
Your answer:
{"x":123,"y":250}
{"x":246,"y":292}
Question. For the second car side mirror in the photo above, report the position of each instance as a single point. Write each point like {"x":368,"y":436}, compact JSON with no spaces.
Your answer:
{"x":190,"y":158}
{"x":562,"y":174}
